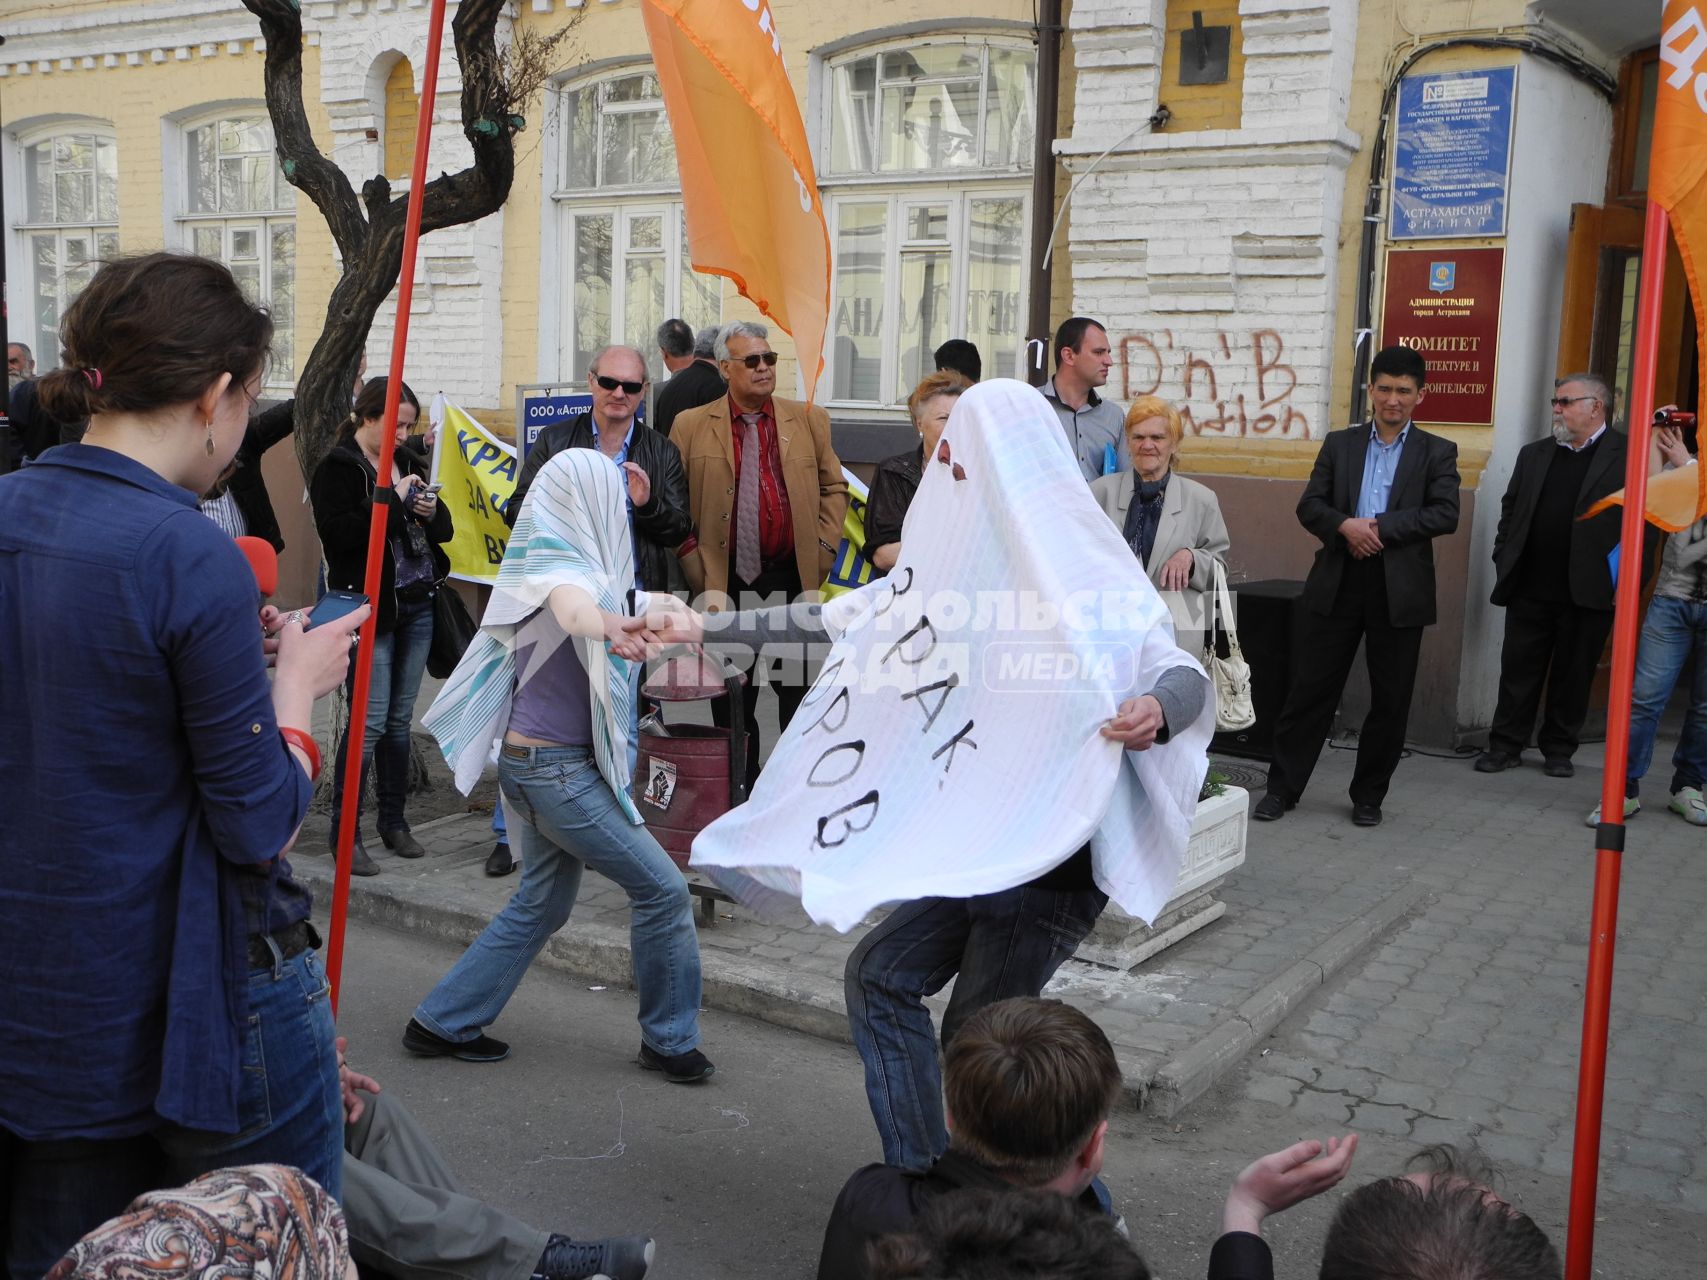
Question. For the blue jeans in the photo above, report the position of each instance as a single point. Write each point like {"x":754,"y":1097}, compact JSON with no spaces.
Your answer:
{"x":1673,"y":630}
{"x":290,"y":1111}
{"x":1001,"y":945}
{"x":563,"y":817}
{"x":399,"y":661}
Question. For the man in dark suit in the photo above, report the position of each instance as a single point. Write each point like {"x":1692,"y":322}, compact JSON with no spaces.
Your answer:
{"x":1554,"y":579}
{"x":1379,"y":495}
{"x":688,"y":388}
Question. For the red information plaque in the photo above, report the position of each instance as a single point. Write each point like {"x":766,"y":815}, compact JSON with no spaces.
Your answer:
{"x":1445,"y":303}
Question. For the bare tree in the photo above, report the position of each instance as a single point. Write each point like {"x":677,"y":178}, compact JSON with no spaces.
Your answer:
{"x":368,"y":229}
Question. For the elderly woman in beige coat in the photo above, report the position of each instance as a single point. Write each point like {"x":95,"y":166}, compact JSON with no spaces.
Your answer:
{"x":1172,"y":524}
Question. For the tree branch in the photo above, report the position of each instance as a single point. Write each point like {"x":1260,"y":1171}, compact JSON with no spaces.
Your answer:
{"x":304,"y":166}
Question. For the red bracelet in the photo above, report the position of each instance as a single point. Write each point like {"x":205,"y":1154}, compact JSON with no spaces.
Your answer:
{"x":303,"y":742}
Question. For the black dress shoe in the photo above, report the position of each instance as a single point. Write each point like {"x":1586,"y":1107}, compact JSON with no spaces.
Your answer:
{"x":1559,"y":767}
{"x":499,"y":862}
{"x":402,"y":843}
{"x":1492,"y":761}
{"x":1272,"y":806}
{"x":678,"y":1068}
{"x":483,"y":1048}
{"x":1366,"y":815}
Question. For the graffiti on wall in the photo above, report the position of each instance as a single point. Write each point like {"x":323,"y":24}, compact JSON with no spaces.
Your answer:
{"x":1237,"y":385}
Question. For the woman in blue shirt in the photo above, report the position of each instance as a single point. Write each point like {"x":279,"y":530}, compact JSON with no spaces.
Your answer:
{"x":161,"y":1007}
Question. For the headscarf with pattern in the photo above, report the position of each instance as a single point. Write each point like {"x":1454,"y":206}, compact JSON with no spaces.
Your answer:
{"x":572,"y":531}
{"x":258,"y":1222}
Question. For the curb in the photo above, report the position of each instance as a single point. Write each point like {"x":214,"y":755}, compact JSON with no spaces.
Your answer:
{"x":1187,"y":1075}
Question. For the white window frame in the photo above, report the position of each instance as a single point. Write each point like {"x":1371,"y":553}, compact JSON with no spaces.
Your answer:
{"x":23,"y":231}
{"x":184,"y":223}
{"x":621,"y":203}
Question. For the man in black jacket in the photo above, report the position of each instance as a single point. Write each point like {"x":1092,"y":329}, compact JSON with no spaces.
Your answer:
{"x":1379,"y":495}
{"x":1552,"y":574}
{"x":657,"y":483}
{"x":698,"y":383}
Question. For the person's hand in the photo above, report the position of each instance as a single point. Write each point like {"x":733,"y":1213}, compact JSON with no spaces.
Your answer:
{"x":1176,"y":570}
{"x":320,"y":658}
{"x":668,"y":621}
{"x":639,"y":485}
{"x":624,"y":639}
{"x":351,"y":1081}
{"x":406,"y":486}
{"x":423,"y":502}
{"x":1137,"y":723}
{"x":271,"y":620}
{"x":1362,"y":536}
{"x":1283,"y":1178}
{"x":1669,"y":441}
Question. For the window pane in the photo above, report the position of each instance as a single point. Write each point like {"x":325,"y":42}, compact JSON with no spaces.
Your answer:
{"x":592,"y":317}
{"x":579,"y":130}
{"x":1008,"y":96}
{"x":638,"y":148}
{"x":926,"y":222}
{"x":646,"y":232}
{"x":702,"y":295}
{"x":925,"y":302}
{"x":640,"y":88}
{"x":643,"y":306}
{"x":245,"y":184}
{"x":1647,"y":98}
{"x":857,"y":338}
{"x":44,"y":260}
{"x":107,"y":180}
{"x":995,"y":263}
{"x":282,"y":300}
{"x":107,"y":245}
{"x":210,"y":242}
{"x":853,"y":126}
{"x":38,"y":183}
{"x":248,"y":275}
{"x":73,"y":196}
{"x":245,"y":244}
{"x":932,"y":60}
{"x":931,"y":127}
{"x":203,"y":175}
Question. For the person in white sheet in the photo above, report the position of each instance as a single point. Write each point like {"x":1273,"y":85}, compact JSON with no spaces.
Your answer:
{"x":925,"y":766}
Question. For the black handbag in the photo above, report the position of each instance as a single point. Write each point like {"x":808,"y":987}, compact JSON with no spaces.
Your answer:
{"x":453,"y":632}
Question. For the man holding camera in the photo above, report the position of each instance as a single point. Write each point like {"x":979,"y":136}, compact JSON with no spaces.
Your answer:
{"x":1554,"y":577}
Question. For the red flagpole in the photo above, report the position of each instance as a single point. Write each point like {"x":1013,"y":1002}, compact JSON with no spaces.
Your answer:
{"x":381,"y":507}
{"x":1609,"y":837}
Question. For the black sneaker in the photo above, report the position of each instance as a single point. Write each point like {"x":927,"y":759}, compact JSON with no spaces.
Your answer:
{"x":616,"y":1258}
{"x":678,"y":1068}
{"x":483,"y":1048}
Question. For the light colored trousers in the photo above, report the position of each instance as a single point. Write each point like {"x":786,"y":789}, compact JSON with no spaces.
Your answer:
{"x":408,"y":1217}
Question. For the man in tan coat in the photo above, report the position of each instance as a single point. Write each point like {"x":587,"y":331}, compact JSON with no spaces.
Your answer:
{"x":767,"y":497}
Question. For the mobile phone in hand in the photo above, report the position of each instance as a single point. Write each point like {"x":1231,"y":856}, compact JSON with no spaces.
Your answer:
{"x":334,"y":605}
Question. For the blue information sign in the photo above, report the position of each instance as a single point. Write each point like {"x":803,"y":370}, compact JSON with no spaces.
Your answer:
{"x":542,"y":411}
{"x":1452,"y":154}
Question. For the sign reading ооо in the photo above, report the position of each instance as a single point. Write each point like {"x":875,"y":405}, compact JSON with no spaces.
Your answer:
{"x":544,"y":407}
{"x":1452,"y":154}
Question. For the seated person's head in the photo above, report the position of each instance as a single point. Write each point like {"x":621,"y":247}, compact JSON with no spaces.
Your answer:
{"x":1029,"y":1084}
{"x":1006,"y":1235}
{"x":1439,"y":1222}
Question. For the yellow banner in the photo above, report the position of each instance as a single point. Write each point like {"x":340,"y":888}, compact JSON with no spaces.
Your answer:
{"x":749,"y":187}
{"x":478,"y":472}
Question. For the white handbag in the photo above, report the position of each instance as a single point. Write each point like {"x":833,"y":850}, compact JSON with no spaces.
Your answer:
{"x":1231,"y":676}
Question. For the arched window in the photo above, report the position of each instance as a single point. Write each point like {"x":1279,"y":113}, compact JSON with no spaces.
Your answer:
{"x":69,"y":224}
{"x":927,"y":189}
{"x":238,"y":208}
{"x":622,"y":238}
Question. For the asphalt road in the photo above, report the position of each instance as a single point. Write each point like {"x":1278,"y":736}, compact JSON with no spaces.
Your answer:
{"x":735,"y":1177}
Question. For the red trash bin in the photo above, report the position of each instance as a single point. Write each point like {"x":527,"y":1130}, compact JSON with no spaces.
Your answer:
{"x":687,"y":775}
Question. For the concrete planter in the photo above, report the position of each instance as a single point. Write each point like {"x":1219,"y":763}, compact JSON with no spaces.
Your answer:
{"x":1216,"y":849}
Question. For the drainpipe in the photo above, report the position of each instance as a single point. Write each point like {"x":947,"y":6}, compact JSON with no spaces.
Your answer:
{"x":1038,"y":327}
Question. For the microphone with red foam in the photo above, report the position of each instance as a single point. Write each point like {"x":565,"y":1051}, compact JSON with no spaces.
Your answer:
{"x":263,"y":562}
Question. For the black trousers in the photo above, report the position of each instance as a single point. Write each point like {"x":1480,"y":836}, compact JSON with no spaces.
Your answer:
{"x":1322,"y":657}
{"x":778,"y":579}
{"x":1553,"y":644}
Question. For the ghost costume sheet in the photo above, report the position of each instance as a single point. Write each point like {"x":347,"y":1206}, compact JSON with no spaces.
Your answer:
{"x":950,"y":746}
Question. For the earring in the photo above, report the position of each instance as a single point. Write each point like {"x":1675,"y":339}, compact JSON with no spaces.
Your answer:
{"x":210,"y":437}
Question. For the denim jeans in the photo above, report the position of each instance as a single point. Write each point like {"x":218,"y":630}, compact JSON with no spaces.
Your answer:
{"x":1000,"y":944}
{"x":399,"y":661}
{"x":290,"y":1111}
{"x":1673,"y":630}
{"x":562,"y":817}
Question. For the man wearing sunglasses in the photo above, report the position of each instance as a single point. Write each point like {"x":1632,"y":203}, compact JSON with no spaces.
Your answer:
{"x":657,"y":485}
{"x":767,"y":496}
{"x":1553,"y":576}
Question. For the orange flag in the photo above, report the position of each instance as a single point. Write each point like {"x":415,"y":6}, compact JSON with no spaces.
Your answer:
{"x":1677,"y":182}
{"x":748,"y":181}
